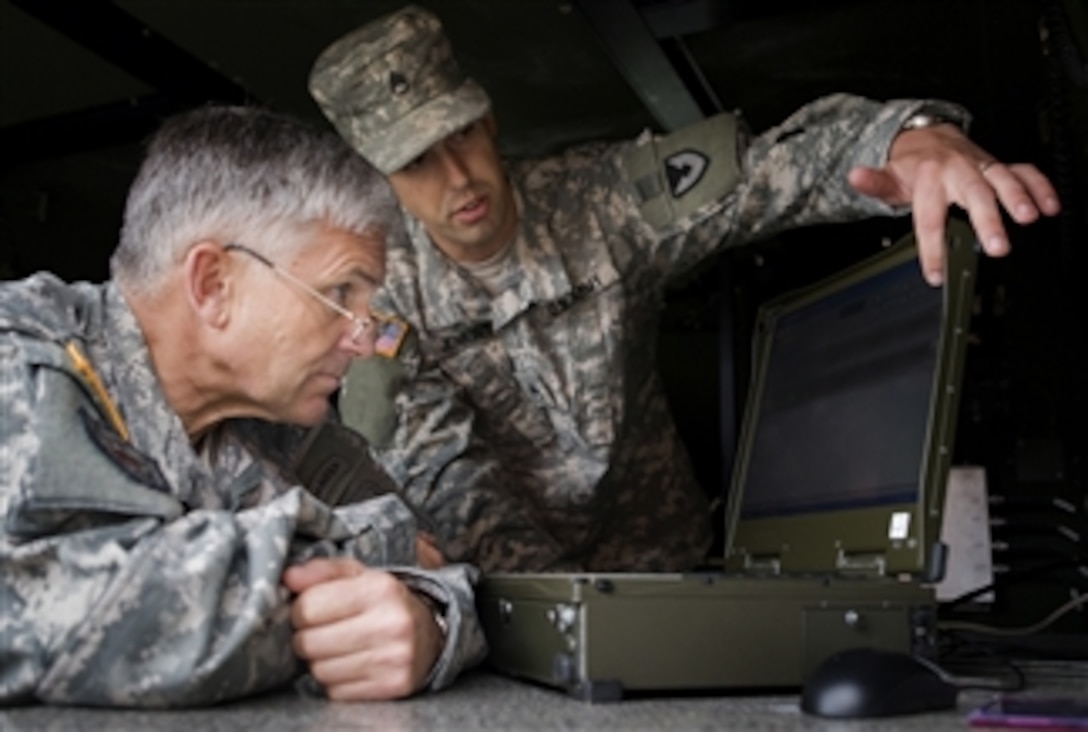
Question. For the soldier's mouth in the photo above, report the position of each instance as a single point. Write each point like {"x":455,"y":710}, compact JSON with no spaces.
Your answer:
{"x":472,"y":211}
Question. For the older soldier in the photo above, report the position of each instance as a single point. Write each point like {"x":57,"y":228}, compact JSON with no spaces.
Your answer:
{"x":157,"y":549}
{"x":532,"y":425}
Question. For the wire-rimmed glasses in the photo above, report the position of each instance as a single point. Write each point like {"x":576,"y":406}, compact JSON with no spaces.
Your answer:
{"x":361,"y":326}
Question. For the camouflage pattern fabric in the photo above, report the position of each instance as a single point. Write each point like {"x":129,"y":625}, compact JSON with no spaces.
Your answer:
{"x":532,"y":425}
{"x":393,"y":88}
{"x":147,"y":573}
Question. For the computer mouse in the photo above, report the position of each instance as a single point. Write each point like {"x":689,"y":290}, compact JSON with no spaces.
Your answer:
{"x":870,"y":682}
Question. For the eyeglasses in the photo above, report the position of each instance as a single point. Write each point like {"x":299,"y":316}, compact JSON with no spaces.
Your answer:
{"x":361,"y":326}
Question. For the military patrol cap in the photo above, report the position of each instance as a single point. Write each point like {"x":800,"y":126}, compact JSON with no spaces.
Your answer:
{"x":392,"y":88}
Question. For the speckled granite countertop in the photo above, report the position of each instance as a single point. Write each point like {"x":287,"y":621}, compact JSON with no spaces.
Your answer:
{"x":483,"y":701}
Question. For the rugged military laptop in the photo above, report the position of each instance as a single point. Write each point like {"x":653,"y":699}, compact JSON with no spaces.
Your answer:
{"x":833,"y":520}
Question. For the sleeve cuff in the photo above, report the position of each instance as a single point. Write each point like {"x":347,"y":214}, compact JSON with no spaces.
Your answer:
{"x":451,"y":590}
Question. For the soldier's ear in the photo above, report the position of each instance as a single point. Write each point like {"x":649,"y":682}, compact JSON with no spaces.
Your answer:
{"x":209,"y":277}
{"x":491,"y":124}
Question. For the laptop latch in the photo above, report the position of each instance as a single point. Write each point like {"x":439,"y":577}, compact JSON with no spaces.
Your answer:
{"x":868,"y":564}
{"x":765,"y":564}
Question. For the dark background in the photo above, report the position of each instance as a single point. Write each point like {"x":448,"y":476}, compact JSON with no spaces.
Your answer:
{"x":82,"y":82}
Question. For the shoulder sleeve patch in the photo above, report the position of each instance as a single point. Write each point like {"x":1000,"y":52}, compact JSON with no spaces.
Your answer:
{"x":391,"y":334}
{"x":675,"y":175}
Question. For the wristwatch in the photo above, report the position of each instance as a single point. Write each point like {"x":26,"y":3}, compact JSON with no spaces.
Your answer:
{"x":929,"y":117}
{"x":438,"y":610}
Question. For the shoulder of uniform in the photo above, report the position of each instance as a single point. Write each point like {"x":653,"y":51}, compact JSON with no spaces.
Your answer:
{"x":576,"y":163}
{"x":42,"y":306}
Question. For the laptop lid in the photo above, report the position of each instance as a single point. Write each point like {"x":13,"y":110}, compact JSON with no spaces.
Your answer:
{"x":848,"y":429}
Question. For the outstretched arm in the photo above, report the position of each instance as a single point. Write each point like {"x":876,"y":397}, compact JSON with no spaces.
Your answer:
{"x":933,"y":168}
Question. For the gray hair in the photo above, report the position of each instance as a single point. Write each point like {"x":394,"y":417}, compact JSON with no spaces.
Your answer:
{"x":243,"y":174}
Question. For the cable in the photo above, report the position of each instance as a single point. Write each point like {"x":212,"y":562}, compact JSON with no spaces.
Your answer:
{"x":1023,"y":630}
{"x":977,"y":682}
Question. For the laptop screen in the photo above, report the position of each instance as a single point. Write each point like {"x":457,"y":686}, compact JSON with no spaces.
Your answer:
{"x":844,"y":409}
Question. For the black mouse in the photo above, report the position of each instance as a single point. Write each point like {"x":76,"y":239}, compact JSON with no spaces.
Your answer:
{"x":869,"y":682}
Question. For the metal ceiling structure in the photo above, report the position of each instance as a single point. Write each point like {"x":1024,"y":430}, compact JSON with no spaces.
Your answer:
{"x":178,"y":79}
{"x":638,"y":38}
{"x":633,"y":37}
{"x":82,"y":82}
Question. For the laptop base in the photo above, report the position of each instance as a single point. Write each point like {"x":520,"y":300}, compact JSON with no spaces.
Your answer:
{"x":599,"y":636}
{"x":834,"y":509}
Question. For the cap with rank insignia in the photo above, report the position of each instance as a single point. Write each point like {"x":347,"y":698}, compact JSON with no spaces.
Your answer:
{"x":393,"y":88}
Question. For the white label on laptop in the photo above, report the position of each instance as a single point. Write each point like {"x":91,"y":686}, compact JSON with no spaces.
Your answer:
{"x":899,"y":525}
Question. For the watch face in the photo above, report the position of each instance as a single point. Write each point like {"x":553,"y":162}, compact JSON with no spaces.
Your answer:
{"x":919,"y":120}
{"x":929,"y":118}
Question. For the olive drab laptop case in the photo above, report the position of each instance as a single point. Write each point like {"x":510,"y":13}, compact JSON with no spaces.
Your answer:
{"x":833,"y":523}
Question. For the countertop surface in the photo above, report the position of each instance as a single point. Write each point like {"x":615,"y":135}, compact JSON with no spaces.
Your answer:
{"x":481,"y":700}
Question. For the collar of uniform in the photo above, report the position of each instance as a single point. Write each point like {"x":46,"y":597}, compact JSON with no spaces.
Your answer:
{"x":545,"y":278}
{"x":124,"y":363}
{"x":452,"y":298}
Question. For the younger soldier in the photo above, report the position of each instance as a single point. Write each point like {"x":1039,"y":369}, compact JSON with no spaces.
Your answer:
{"x":532,"y":424}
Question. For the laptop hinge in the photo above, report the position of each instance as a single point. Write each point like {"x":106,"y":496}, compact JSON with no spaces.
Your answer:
{"x":868,"y":564}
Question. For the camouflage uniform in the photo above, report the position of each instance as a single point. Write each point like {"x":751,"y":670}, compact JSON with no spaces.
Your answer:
{"x":147,"y":572}
{"x":532,"y":425}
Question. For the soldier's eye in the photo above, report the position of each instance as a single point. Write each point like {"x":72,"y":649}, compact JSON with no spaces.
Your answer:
{"x":341,"y":295}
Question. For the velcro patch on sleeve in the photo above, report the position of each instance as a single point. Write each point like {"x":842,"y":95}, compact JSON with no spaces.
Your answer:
{"x":677,"y":174}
